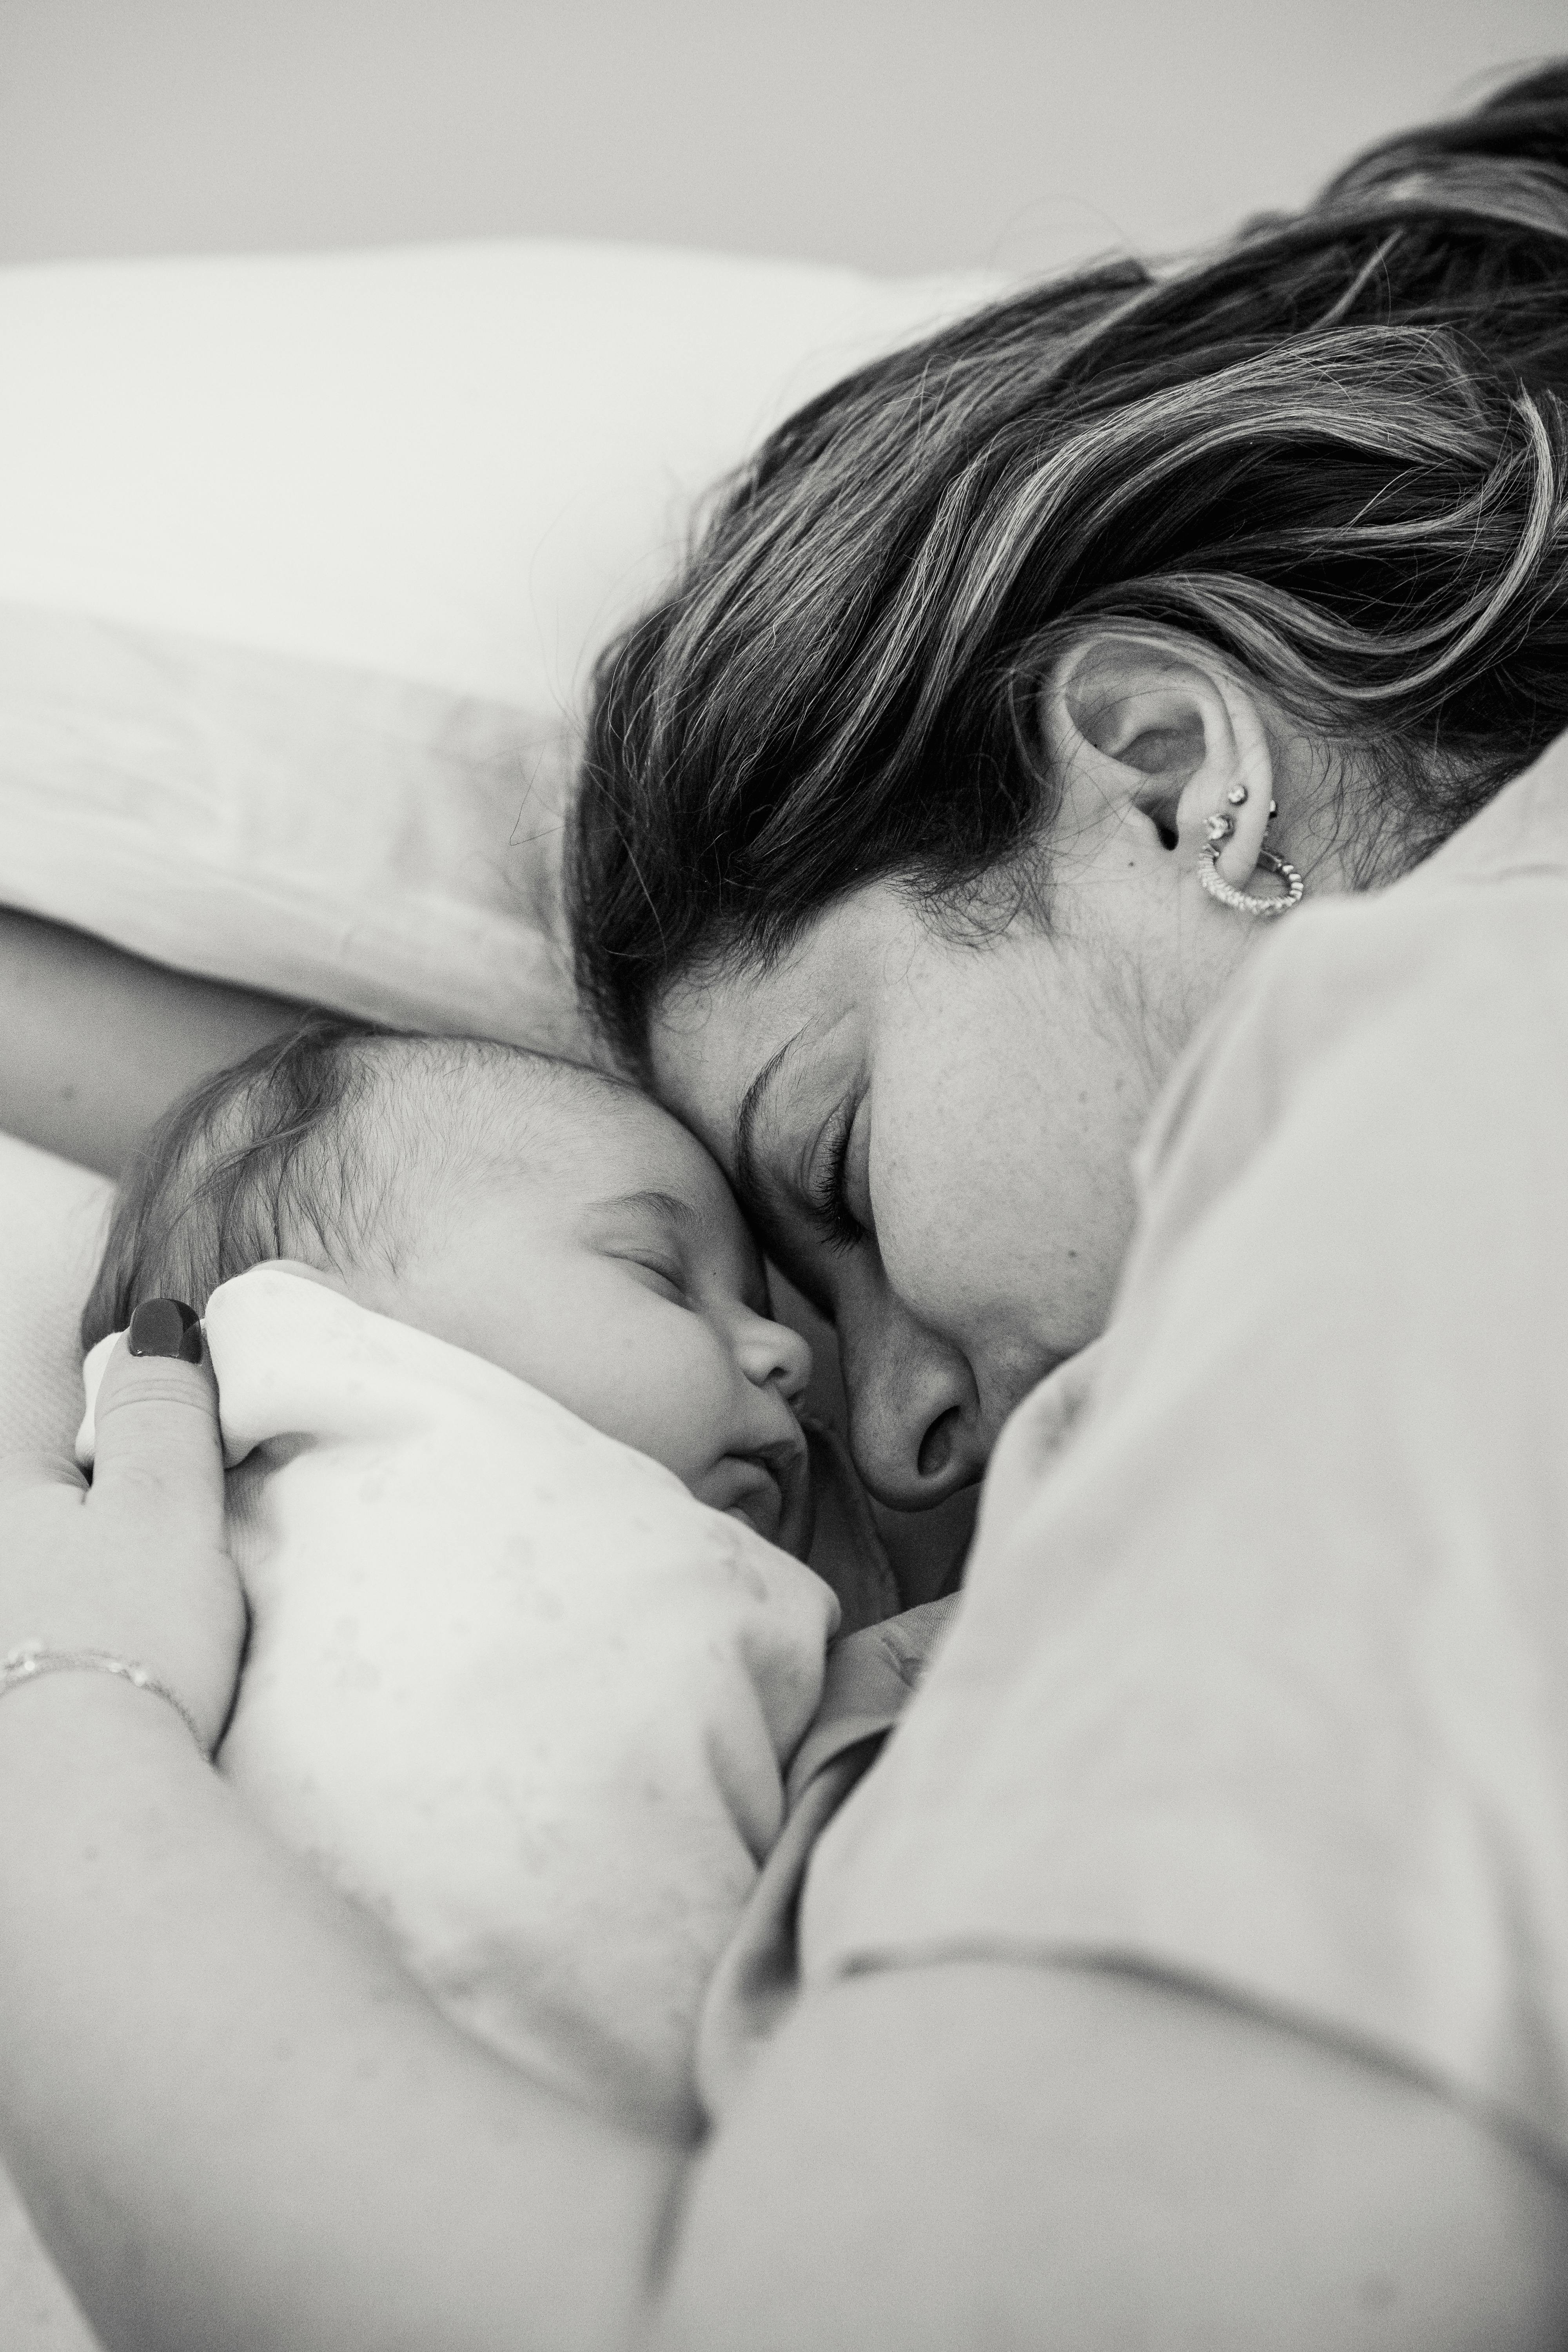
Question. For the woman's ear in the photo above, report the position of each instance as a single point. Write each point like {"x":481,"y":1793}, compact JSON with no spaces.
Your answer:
{"x":1160,"y":728}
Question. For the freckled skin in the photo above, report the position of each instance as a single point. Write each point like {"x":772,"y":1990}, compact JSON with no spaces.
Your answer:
{"x":1002,"y":1082}
{"x":967,"y":1148}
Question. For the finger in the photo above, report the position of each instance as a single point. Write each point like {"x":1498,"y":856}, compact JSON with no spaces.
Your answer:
{"x":156,"y":1422}
{"x":24,"y":1471}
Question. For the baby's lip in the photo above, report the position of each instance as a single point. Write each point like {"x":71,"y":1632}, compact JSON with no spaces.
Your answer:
{"x":771,"y":1490}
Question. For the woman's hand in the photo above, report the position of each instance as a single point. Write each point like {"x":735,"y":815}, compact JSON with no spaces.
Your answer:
{"x":136,"y":1564}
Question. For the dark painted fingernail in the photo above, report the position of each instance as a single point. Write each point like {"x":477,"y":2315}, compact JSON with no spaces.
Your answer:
{"x":166,"y":1326}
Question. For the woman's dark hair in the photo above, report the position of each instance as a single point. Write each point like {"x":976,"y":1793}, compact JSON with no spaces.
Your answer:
{"x":1334,"y":450}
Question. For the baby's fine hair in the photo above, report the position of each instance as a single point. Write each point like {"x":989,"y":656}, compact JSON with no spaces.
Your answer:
{"x":316,"y":1147}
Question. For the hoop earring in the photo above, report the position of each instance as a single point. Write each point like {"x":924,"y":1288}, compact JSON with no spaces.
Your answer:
{"x":1217,"y":888}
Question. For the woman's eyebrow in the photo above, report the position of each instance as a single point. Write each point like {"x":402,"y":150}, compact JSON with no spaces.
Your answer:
{"x":744,"y":1140}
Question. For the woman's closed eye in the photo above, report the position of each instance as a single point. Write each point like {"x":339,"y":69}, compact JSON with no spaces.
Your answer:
{"x":836,"y":1189}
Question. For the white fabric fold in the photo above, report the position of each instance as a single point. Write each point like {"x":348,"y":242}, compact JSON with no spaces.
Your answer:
{"x":509,"y":1687}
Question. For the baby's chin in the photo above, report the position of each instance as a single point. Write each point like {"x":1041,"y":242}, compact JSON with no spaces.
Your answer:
{"x":774,"y":1503}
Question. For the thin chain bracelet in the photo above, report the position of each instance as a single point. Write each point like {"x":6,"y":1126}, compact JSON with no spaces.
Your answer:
{"x":29,"y":1661}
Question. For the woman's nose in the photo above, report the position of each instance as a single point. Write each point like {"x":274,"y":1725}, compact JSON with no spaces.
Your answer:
{"x":914,"y":1417}
{"x":772,"y":1356}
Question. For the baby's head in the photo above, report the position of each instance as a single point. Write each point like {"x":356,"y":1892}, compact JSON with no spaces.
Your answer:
{"x":550,"y":1218}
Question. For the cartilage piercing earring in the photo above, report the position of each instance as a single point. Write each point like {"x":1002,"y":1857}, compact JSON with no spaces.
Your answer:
{"x":1218,"y":828}
{"x":1243,"y":901}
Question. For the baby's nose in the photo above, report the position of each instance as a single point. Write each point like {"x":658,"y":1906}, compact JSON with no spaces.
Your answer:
{"x":772,"y":1355}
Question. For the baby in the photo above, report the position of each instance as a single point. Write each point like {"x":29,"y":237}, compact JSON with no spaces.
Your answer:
{"x":516,"y":1475}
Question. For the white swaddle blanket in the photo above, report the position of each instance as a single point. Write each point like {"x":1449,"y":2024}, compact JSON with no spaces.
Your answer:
{"x":508,"y":1684}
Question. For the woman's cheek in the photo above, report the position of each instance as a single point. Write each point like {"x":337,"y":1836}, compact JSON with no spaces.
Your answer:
{"x":972,"y":1251}
{"x":932,"y":1243}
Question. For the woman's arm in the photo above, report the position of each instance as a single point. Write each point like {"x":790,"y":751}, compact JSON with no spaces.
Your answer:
{"x":239,"y":2123}
{"x":95,"y":1043}
{"x":283,"y":2146}
{"x":1039,"y":2159}
{"x":235,"y":2118}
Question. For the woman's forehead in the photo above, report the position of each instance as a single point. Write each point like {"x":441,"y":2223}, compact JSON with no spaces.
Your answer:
{"x":713,"y":1038}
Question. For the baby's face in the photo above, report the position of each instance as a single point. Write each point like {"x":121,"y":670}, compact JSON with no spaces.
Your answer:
{"x":624,"y":1283}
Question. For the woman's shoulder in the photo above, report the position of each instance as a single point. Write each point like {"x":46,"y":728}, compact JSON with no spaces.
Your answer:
{"x":1458,"y":969}
{"x":1474,"y":894}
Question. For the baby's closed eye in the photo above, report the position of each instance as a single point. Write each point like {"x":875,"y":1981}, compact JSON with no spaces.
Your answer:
{"x":667,"y":1274}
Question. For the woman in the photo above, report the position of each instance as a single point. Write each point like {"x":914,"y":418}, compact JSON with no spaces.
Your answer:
{"x":1193,"y":1967}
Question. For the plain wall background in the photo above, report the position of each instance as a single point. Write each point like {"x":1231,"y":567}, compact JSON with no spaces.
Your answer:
{"x":925,"y":135}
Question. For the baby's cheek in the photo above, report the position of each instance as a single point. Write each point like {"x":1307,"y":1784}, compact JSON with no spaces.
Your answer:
{"x":701,"y":1410}
{"x":674,"y":1389}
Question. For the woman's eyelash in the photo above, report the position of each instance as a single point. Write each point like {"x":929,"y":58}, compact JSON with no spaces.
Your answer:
{"x":829,"y":1194}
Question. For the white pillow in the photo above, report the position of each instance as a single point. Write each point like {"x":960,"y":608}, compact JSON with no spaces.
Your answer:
{"x":303,"y":562}
{"x":52,"y":1219}
{"x":339,"y":836}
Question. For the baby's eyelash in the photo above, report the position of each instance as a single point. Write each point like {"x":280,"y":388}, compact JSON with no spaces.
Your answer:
{"x":664,"y":1269}
{"x":829,"y":1194}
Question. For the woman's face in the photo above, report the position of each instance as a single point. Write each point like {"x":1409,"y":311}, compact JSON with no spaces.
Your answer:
{"x":933,"y":1136}
{"x":932,"y":1139}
